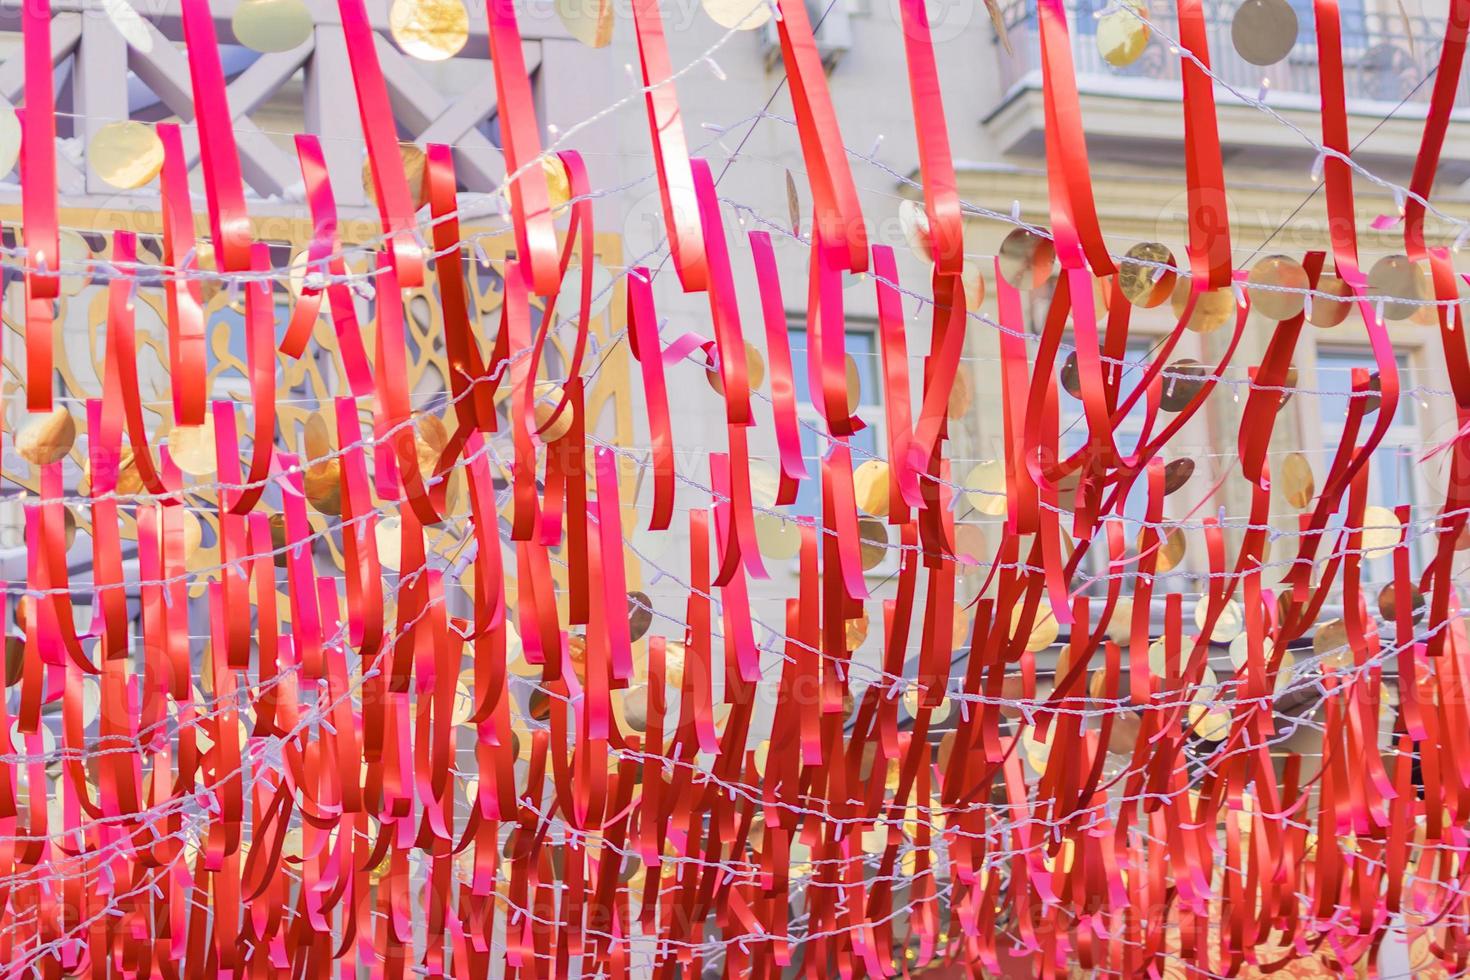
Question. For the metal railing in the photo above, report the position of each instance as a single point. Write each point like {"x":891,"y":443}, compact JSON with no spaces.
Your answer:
{"x":1387,"y":58}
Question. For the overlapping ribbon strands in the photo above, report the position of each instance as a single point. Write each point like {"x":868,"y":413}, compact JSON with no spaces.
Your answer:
{"x":340,"y":644}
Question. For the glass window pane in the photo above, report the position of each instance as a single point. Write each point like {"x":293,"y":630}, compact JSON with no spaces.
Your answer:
{"x":815,"y":448}
{"x":862,"y":345}
{"x":1335,"y":376}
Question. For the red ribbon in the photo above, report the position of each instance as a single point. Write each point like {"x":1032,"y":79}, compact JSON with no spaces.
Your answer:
{"x":38,"y":201}
{"x":1209,"y":219}
{"x":223,"y":184}
{"x":644,"y":342}
{"x":839,"y":217}
{"x":390,"y":185}
{"x":530,"y":195}
{"x":670,"y":150}
{"x":187,"y":365}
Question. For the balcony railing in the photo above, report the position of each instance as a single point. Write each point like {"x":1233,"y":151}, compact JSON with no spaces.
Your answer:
{"x":1388,"y":58}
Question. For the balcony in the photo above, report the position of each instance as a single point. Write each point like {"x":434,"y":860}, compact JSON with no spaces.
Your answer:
{"x":1390,"y":61}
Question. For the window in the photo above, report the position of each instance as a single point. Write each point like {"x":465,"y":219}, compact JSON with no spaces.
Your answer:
{"x":831,"y":29}
{"x":1393,"y":469}
{"x":862,"y":351}
{"x":1391,"y":472}
{"x":864,"y":367}
{"x":1350,"y":14}
{"x":1072,"y":436}
{"x":1085,"y":15}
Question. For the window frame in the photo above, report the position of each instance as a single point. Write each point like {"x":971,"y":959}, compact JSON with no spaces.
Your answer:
{"x":1400,"y":433}
{"x":873,"y":413}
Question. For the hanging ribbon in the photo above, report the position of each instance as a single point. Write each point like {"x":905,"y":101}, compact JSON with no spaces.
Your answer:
{"x":394,"y":197}
{"x":1209,"y":218}
{"x":223,"y":184}
{"x":529,"y":192}
{"x":186,"y":357}
{"x":839,"y":217}
{"x":38,"y":201}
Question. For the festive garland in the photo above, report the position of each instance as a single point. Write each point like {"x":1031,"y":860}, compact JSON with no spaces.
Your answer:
{"x":500,"y":757}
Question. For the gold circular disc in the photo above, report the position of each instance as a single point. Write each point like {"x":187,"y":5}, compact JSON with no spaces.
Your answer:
{"x":589,"y":21}
{"x":635,"y":708}
{"x":191,"y":530}
{"x":558,"y":182}
{"x":1264,"y":31}
{"x":413,"y":169}
{"x":870,"y":487}
{"x":272,"y":25}
{"x":430,"y":30}
{"x":1381,"y":532}
{"x":1171,"y":548}
{"x":1120,"y":623}
{"x":1210,"y":724}
{"x":674,"y":664}
{"x":987,"y":488}
{"x":640,"y":615}
{"x":755,"y":370}
{"x":1229,"y":624}
{"x":778,"y":539}
{"x":913,"y":221}
{"x":192,"y":447}
{"x":316,"y":438}
{"x":738,"y":15}
{"x":75,"y":253}
{"x":1177,"y":473}
{"x":765,"y":484}
{"x":1330,"y":312}
{"x":969,"y":539}
{"x":322,"y":483}
{"x":1330,"y":643}
{"x":1240,"y":650}
{"x":872,"y":542}
{"x":1214,"y":309}
{"x":1266,"y":276}
{"x":1026,"y":259}
{"x":1037,"y":751}
{"x":939,"y":713}
{"x":296,"y":273}
{"x":552,"y":424}
{"x":1044,"y":629}
{"x":854,"y":385}
{"x":570,"y":303}
{"x":389,"y":536}
{"x":1388,"y":602}
{"x":961,"y":395}
{"x":1296,"y":480}
{"x":46,"y":438}
{"x":1121,"y":36}
{"x":1182,"y":380}
{"x":1071,"y":376}
{"x":973,"y":280}
{"x":126,"y":154}
{"x":1396,"y":277}
{"x":1146,"y":274}
{"x":91,"y":699}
